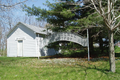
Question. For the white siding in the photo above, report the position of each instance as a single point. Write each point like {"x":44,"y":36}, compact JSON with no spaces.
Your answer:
{"x":29,"y":44}
{"x":38,"y":44}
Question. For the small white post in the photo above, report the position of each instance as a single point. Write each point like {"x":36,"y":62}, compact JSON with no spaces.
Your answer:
{"x":88,"y":44}
{"x":38,"y":45}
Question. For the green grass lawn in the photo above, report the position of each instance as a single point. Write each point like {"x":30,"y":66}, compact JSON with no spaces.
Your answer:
{"x":56,"y":69}
{"x":117,"y":49}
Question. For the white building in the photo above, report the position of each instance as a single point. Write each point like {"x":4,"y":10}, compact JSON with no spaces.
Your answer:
{"x":25,"y":41}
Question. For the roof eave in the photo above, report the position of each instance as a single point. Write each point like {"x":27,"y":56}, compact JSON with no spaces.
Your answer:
{"x":13,"y":28}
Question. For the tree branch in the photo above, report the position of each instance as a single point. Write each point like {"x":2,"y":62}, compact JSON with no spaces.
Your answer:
{"x":103,"y":15}
{"x":97,"y":34}
{"x":117,"y":17}
{"x":118,"y":24}
{"x":13,"y":4}
{"x":95,"y":6}
{"x":101,"y":8}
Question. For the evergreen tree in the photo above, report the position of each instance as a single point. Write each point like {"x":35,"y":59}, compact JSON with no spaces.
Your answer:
{"x":73,"y":18}
{"x":78,"y":16}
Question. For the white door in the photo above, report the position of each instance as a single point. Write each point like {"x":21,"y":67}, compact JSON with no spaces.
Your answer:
{"x":20,"y":48}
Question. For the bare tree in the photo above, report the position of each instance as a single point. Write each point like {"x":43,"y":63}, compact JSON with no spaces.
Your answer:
{"x":31,"y":20}
{"x":0,"y":35}
{"x":109,"y":10}
{"x":7,"y":4}
{"x":2,"y":40}
{"x":7,"y":8}
{"x":111,"y":19}
{"x":7,"y":20}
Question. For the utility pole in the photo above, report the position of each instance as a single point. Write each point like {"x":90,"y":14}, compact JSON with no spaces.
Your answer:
{"x":88,"y":45}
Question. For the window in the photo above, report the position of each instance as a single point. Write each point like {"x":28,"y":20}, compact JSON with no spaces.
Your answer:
{"x":37,"y":35}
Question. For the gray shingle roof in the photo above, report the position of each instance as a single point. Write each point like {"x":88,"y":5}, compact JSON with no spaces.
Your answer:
{"x":39,"y":30}
{"x":36,"y":29}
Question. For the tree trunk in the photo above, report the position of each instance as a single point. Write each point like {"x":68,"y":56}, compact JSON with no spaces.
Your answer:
{"x":101,"y":44}
{"x":91,"y":42}
{"x":111,"y":52}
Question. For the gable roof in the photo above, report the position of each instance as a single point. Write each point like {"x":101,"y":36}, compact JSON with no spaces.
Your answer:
{"x":31,"y":27}
{"x":36,"y":29}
